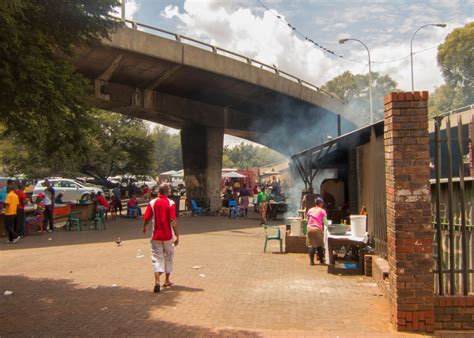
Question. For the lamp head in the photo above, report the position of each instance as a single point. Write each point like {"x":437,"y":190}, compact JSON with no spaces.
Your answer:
{"x":441,"y":25}
{"x":342,"y":41}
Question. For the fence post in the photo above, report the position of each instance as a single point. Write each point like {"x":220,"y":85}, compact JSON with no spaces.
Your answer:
{"x":409,"y":231}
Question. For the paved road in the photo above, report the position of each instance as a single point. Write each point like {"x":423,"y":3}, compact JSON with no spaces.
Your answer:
{"x":81,"y":283}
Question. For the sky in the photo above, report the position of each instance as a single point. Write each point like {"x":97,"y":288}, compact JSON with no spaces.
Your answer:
{"x":259,"y":29}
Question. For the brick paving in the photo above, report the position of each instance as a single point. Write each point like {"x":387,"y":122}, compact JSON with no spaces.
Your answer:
{"x":82,"y":284}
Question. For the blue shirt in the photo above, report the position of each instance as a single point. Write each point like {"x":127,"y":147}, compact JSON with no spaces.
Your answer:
{"x":3,"y":194}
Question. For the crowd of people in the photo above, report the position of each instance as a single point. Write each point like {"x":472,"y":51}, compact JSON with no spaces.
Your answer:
{"x":261,"y":194}
{"x":13,"y":200}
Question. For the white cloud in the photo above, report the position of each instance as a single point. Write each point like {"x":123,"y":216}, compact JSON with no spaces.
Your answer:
{"x":260,"y":35}
{"x":131,"y":8}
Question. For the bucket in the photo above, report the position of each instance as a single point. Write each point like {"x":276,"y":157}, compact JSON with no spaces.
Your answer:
{"x":358,"y":225}
{"x":295,"y":224}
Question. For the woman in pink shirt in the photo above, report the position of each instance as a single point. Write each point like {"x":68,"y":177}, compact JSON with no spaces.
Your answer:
{"x":317,"y":218}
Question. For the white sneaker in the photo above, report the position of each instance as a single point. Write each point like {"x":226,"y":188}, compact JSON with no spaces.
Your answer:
{"x":16,"y":240}
{"x":9,"y":242}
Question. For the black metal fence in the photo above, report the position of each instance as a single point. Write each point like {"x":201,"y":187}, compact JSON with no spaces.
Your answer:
{"x":452,"y":217}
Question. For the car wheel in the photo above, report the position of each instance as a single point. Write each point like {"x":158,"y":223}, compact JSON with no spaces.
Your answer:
{"x":85,"y":197}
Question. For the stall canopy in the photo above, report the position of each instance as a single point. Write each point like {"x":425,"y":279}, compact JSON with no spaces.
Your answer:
{"x":179,"y":173}
{"x":332,"y":153}
{"x":233,"y":174}
{"x":170,"y":172}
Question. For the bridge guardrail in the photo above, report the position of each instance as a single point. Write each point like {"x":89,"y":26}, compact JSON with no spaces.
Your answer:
{"x":215,"y":49}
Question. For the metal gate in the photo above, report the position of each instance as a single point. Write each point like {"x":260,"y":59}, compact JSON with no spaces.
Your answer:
{"x":452,"y":220}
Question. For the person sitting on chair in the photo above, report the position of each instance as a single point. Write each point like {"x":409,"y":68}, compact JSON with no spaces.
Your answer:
{"x":102,"y":204}
{"x":133,"y":205}
{"x":39,"y":210}
{"x":59,"y":198}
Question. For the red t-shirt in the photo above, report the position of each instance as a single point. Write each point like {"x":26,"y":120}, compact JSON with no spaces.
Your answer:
{"x":163,"y":210}
{"x":102,"y":201}
{"x":22,"y":198}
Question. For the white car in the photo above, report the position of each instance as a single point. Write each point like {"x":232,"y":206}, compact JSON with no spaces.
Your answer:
{"x":72,"y":190}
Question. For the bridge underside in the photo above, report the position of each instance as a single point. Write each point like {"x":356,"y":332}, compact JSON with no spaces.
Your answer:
{"x":187,"y":88}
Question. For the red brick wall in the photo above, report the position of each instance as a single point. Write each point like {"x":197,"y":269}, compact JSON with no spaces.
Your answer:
{"x":454,"y":312}
{"x":409,"y":232}
{"x":471,"y":136}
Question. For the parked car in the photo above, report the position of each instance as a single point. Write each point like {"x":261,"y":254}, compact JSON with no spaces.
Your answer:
{"x":145,"y":180}
{"x":72,"y":190}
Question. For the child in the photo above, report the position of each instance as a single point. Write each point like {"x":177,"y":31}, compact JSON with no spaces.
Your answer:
{"x":133,"y":205}
{"x":39,"y":212}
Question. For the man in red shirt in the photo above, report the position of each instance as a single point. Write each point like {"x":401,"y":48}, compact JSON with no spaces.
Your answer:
{"x":102,"y":204}
{"x":20,"y":215}
{"x":161,"y":212}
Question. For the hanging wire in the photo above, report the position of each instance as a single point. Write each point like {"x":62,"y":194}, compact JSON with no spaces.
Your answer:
{"x":327,"y":50}
{"x":405,"y":57}
{"x":304,"y":37}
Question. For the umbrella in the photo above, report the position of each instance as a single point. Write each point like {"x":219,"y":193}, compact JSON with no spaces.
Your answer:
{"x":233,"y":174}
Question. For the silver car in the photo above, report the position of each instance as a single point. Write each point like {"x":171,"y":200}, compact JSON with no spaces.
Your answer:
{"x":72,"y":190}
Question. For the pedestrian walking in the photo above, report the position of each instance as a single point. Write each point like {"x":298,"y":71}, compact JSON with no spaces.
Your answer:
{"x":117,"y":192}
{"x":161,"y":211}
{"x":20,"y":216}
{"x":317,"y":219}
{"x":11,"y":206}
{"x":244,"y":199}
{"x":262,"y":200}
{"x":49,"y":196}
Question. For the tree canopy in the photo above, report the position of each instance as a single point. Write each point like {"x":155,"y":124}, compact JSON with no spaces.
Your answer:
{"x":246,"y":155}
{"x":42,"y":97}
{"x":456,"y":61}
{"x":354,"y":90}
{"x":114,"y":144}
{"x":167,"y":150}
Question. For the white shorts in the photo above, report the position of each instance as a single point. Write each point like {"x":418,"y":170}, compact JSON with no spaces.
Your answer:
{"x":162,"y":254}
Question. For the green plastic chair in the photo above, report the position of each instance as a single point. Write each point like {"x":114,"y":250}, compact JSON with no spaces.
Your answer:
{"x":99,"y":221}
{"x":73,"y":219}
{"x":270,"y":237}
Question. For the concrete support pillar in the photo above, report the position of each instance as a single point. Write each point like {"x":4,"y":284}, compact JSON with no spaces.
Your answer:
{"x":202,"y":161}
{"x":409,"y":231}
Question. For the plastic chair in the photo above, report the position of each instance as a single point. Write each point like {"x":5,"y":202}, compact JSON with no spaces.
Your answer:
{"x":38,"y":222}
{"x":132,"y":213}
{"x":195,"y":210}
{"x":269,"y":237}
{"x":99,"y":221}
{"x":234,"y":210}
{"x":73,"y":219}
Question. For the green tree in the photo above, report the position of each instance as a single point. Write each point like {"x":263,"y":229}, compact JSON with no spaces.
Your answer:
{"x":42,"y":99}
{"x":456,"y":60}
{"x":117,"y":145}
{"x":445,"y":98}
{"x":245,"y":155}
{"x":354,"y":91}
{"x":167,"y":154}
{"x":114,"y":145}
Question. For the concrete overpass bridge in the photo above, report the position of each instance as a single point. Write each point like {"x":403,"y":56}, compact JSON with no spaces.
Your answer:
{"x":207,"y":91}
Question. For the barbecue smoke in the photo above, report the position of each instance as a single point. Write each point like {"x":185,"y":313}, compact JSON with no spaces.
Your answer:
{"x":300,"y":127}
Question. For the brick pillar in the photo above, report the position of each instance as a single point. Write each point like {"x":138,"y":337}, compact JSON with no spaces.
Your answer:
{"x":409,"y":232}
{"x":471,"y":137}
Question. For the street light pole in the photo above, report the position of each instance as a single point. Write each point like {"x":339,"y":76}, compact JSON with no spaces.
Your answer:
{"x":411,"y":49}
{"x":123,"y":9}
{"x":342,"y":41}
